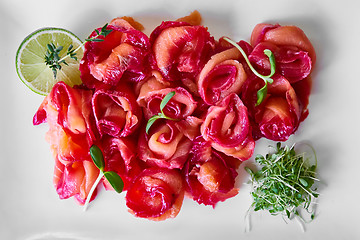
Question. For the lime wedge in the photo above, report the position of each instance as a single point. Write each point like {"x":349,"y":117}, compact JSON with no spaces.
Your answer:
{"x":30,"y":59}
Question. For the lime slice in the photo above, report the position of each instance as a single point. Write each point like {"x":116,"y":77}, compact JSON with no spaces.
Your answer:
{"x":30,"y":59}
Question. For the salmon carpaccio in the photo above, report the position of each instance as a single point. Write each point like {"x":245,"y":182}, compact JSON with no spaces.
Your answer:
{"x":212,"y":122}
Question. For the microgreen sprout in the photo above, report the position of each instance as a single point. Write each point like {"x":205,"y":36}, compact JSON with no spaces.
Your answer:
{"x":261,"y":93}
{"x":161,"y":114}
{"x":284,"y":183}
{"x":52,"y":58}
{"x":113,"y":178}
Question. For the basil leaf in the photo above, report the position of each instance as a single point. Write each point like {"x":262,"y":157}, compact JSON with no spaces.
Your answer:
{"x":97,"y":157}
{"x":115,"y":181}
{"x":166,"y":99}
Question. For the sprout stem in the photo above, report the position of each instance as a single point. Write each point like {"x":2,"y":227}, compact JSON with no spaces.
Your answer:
{"x":96,"y":183}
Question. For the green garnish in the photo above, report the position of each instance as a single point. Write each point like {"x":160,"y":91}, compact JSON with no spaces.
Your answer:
{"x":113,"y":178}
{"x":97,"y":157}
{"x":161,"y":114}
{"x":261,"y":93}
{"x":52,"y":58}
{"x":284,"y":183}
{"x":103,"y":32}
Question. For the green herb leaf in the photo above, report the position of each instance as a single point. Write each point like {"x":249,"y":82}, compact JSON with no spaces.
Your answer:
{"x":266,"y":79}
{"x":115,"y":181}
{"x":248,"y":170}
{"x":261,"y":94}
{"x":51,"y":47}
{"x":113,"y":178}
{"x":59,"y":49}
{"x":271,"y":57}
{"x":151,"y":122}
{"x":52,"y":58}
{"x":160,"y":115}
{"x":94,"y":40}
{"x":303,"y":182}
{"x":284,"y":183}
{"x":103,"y":32}
{"x":71,"y":52}
{"x":166,"y":99}
{"x":97,"y":157}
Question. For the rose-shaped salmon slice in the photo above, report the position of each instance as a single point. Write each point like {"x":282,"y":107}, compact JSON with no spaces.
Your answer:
{"x":71,"y":133}
{"x":116,"y":111}
{"x":222,"y":75}
{"x":120,"y":157}
{"x":282,"y":113}
{"x":209,"y":174}
{"x":279,"y":115}
{"x":227,"y":128}
{"x":156,"y":194}
{"x":283,"y":36}
{"x":71,"y":123}
{"x":152,"y":92}
{"x":181,"y":50}
{"x":75,"y":179}
{"x":123,"y":55}
{"x":291,"y":62}
{"x":164,"y":146}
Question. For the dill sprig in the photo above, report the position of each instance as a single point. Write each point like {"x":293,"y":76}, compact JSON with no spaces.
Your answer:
{"x":52,"y":54}
{"x":284,"y":183}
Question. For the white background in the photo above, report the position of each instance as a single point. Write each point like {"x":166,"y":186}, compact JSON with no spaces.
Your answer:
{"x":29,"y":205}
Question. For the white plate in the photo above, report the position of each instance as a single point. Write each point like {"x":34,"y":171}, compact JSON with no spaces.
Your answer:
{"x":29,"y":205}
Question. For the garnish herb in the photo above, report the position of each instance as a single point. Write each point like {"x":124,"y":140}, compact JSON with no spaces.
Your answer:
{"x":261,"y":93}
{"x":113,"y":178}
{"x":52,"y":58}
{"x":103,"y":32}
{"x":161,"y":114}
{"x":284,"y":183}
{"x":97,"y":157}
